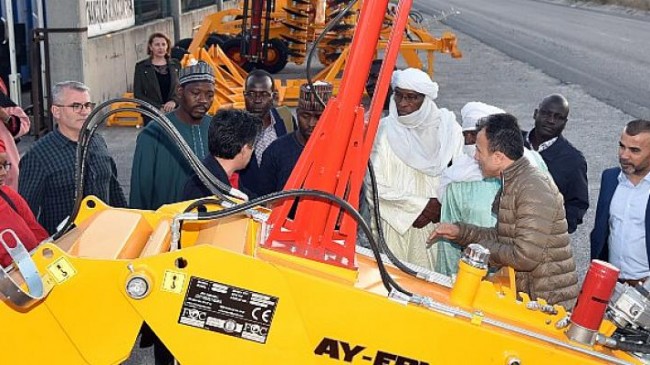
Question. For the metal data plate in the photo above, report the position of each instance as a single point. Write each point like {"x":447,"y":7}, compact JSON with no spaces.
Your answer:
{"x":228,"y":310}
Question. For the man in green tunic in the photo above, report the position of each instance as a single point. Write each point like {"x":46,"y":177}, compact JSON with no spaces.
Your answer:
{"x":466,"y":196}
{"x":159,"y":168}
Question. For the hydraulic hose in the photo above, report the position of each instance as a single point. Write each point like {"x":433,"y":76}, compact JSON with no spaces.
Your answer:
{"x":633,"y":347}
{"x":90,"y":126}
{"x":382,"y":246}
{"x":388,"y":282}
{"x":312,"y":51}
{"x":377,"y":217}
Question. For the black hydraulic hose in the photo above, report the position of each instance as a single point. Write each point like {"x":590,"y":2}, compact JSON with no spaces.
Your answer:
{"x":90,"y":126}
{"x":327,"y":29}
{"x":387,"y":280}
{"x":215,"y":186}
{"x":632,"y":347}
{"x":382,"y":240}
{"x":201,"y":202}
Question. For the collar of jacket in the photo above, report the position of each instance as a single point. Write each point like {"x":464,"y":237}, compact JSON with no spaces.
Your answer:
{"x":514,"y":169}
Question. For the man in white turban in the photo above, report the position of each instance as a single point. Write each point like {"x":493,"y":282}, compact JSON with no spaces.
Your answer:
{"x":415,"y":143}
{"x":467,"y":196}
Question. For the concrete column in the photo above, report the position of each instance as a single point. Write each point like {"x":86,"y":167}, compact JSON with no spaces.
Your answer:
{"x":68,"y":60}
{"x":176,"y":10}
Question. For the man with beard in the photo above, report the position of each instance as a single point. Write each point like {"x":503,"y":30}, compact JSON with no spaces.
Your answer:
{"x":620,"y":235}
{"x":159,"y":168}
{"x":566,"y":164}
{"x":415,"y":143}
{"x":260,"y":97}
{"x":282,"y":155}
{"x":531,"y":232}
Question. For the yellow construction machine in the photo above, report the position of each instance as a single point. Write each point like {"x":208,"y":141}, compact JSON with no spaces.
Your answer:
{"x":221,"y":280}
{"x":268,"y":34}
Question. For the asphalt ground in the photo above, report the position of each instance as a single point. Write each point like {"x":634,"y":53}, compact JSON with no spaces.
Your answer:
{"x":487,"y":75}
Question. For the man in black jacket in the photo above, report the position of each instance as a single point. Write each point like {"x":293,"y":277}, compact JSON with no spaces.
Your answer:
{"x":260,"y":97}
{"x":566,"y":163}
{"x":231,"y":141}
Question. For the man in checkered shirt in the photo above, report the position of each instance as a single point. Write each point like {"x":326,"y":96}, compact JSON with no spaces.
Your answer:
{"x":47,"y":178}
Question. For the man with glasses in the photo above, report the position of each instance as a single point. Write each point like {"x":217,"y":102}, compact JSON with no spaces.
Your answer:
{"x":260,"y":97}
{"x":566,"y":163}
{"x":415,"y":143}
{"x":47,"y":178}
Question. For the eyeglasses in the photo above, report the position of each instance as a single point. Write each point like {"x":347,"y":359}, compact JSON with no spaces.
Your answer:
{"x":410,"y":98}
{"x":258,"y":94}
{"x":77,"y":107}
{"x":5,"y":166}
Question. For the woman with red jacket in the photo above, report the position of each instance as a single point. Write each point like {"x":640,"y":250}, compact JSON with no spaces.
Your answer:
{"x":15,"y":214}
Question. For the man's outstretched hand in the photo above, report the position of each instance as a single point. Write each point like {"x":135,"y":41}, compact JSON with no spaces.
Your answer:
{"x":447,"y":231}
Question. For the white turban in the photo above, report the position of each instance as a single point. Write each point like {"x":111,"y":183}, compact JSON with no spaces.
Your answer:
{"x":429,"y":138}
{"x":475,"y":110}
{"x":414,"y":79}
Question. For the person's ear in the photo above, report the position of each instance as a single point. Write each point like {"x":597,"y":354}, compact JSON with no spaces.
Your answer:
{"x":56,"y":111}
{"x":535,"y":114}
{"x":499,"y":157}
{"x":276,"y":97}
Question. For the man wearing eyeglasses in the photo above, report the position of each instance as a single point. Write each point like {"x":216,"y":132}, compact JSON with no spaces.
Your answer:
{"x":260,"y":97}
{"x":47,"y":173}
{"x":415,"y":143}
{"x":566,"y":163}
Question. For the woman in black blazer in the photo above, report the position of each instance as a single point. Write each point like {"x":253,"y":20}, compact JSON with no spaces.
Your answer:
{"x":155,"y":79}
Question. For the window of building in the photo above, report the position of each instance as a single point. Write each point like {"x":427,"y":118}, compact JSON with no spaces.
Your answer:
{"x":148,"y":10}
{"x":187,"y":5}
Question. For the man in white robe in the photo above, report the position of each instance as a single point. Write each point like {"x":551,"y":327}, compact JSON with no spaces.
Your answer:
{"x":415,"y":143}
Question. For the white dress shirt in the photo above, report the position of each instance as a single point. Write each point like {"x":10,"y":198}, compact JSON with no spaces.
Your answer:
{"x":627,"y":244}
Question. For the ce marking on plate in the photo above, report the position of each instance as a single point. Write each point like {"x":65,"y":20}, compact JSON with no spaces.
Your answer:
{"x":258,"y":314}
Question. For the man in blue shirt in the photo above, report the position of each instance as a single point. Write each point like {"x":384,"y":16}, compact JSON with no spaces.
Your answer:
{"x":620,"y":234}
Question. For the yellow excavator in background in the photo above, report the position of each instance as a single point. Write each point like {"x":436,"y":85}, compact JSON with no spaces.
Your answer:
{"x":220,"y":280}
